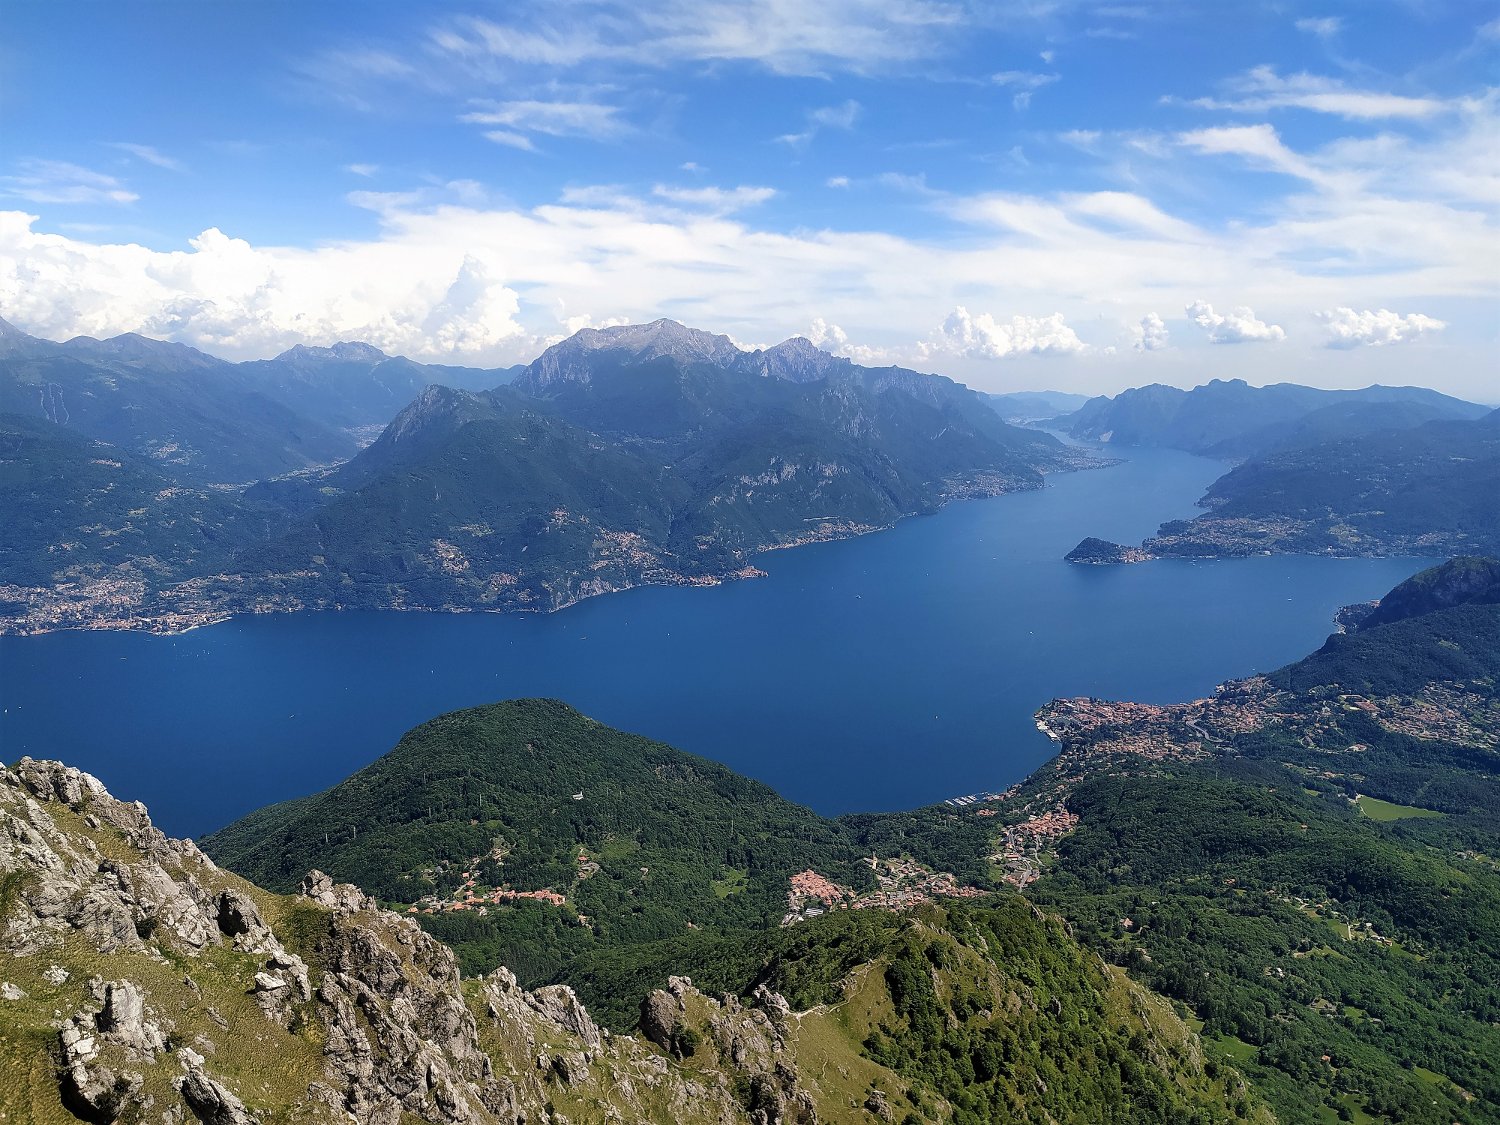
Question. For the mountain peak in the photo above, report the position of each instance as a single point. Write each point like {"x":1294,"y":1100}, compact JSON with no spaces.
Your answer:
{"x":351,"y":351}
{"x":567,"y":361}
{"x":797,"y":360}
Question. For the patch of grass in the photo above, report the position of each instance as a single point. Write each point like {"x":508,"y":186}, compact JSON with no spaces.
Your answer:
{"x":731,"y":881}
{"x":1385,"y":811}
{"x":1235,"y":1048}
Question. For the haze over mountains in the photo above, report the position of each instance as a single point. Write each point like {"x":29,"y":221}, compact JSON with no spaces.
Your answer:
{"x":1232,"y":420}
{"x":205,"y":421}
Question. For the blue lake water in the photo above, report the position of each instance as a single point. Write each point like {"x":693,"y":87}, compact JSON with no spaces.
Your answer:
{"x":879,"y":673}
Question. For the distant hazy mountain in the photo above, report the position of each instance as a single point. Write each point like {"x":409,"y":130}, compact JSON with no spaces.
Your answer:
{"x":198,"y":418}
{"x":1433,"y":489}
{"x":1233,"y":420}
{"x":1035,"y":406}
{"x":351,"y":385}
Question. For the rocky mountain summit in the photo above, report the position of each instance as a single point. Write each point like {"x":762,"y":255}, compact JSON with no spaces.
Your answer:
{"x":141,"y":982}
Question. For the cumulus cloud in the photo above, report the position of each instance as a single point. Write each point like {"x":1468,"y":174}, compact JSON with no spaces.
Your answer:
{"x":1151,"y":334}
{"x":55,"y":181}
{"x":227,"y":296}
{"x":1347,"y":328}
{"x":1238,"y":326}
{"x":832,"y":338}
{"x":983,"y":337}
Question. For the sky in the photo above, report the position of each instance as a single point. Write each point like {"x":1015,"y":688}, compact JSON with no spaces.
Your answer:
{"x":1022,"y":194}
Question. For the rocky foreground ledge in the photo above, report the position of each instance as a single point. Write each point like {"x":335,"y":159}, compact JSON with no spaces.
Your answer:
{"x":141,"y":982}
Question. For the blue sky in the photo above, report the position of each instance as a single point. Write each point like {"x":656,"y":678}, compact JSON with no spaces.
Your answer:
{"x":1049,"y":193}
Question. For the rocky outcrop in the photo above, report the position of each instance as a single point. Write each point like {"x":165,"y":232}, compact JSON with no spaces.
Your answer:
{"x":370,"y":1007}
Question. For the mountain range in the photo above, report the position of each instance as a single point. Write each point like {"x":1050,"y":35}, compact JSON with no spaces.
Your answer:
{"x":650,"y":453}
{"x":204,"y":421}
{"x":1231,"y":420}
{"x":1429,"y":490}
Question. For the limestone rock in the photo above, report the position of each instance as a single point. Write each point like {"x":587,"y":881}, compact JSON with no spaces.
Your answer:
{"x":658,"y":1017}
{"x":211,"y":1102}
{"x":559,"y":1004}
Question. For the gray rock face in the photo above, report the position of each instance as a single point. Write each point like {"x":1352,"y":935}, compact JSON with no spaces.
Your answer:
{"x":98,"y":1095}
{"x":659,"y":1014}
{"x":560,"y":1005}
{"x":211,"y":1102}
{"x":239,"y":920}
{"x":568,"y":361}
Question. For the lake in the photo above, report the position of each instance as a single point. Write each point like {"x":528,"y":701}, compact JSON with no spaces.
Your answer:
{"x":879,"y":673}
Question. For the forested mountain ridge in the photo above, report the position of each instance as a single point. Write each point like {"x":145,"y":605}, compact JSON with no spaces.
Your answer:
{"x":142,"y":982}
{"x":1305,"y":859}
{"x":1431,"y":490}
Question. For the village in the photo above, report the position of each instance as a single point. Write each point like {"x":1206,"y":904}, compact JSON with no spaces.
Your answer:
{"x":900,"y":884}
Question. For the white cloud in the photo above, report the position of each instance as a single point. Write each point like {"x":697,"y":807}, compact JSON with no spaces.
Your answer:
{"x":594,"y":120}
{"x":1024,"y":82}
{"x":510,"y":139}
{"x":1324,"y":27}
{"x":1262,"y":88}
{"x":858,"y":36}
{"x":230,"y":297}
{"x":365,"y":170}
{"x":841,"y":116}
{"x":1151,"y":334}
{"x":716,"y":199}
{"x":1260,"y":144}
{"x":983,"y":337}
{"x":1415,"y":213}
{"x":828,"y":336}
{"x":1084,"y":139}
{"x":1238,"y":326}
{"x":832,"y":338}
{"x":148,"y":154}
{"x":55,"y":181}
{"x":1350,"y":329}
{"x":836,"y":182}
